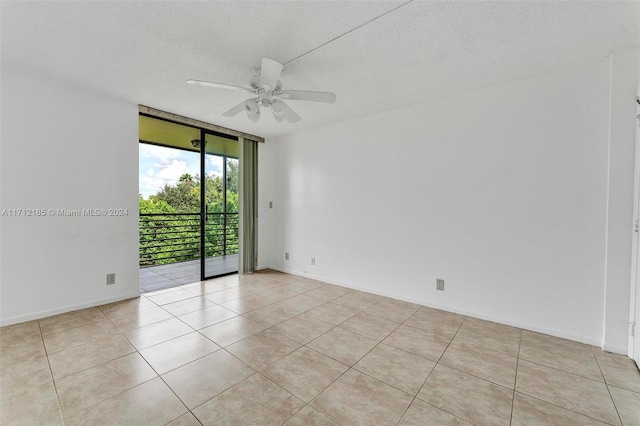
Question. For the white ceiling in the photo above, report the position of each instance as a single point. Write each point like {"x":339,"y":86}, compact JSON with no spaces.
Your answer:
{"x":145,"y":51}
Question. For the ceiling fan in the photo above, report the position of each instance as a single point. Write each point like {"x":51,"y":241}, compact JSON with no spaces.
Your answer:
{"x":267,"y":88}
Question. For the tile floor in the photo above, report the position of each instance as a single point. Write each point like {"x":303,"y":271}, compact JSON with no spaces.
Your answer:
{"x":272,"y":349}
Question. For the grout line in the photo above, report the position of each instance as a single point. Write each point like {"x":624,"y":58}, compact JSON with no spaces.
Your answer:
{"x":53,"y":380}
{"x":515,"y":379}
{"x":348,"y":367}
{"x":607,"y":386}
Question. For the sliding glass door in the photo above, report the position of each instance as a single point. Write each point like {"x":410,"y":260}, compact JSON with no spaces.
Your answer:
{"x":219,"y":197}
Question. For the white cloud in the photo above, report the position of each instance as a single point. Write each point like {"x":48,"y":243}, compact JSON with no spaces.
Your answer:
{"x":169,"y":174}
{"x":155,"y":151}
{"x":172,"y":171}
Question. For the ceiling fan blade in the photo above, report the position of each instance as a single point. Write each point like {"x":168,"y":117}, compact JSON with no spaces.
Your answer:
{"x":283,"y":109}
{"x":220,"y":85}
{"x":303,"y":95}
{"x":235,"y":110}
{"x":270,"y":71}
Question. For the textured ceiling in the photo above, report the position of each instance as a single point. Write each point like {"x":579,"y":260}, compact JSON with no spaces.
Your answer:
{"x":145,"y":51}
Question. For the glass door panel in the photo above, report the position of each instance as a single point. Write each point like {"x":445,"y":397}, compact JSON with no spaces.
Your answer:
{"x":219,"y":203}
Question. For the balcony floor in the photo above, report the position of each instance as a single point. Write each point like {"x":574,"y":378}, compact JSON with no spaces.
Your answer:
{"x":154,"y":278}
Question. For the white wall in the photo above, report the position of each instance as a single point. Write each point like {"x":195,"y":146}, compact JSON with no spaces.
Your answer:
{"x":622,"y":136}
{"x":501,"y":192}
{"x":62,"y":148}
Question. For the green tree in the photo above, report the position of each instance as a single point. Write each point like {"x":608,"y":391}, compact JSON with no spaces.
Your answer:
{"x":184,"y":196}
{"x":173,"y":238}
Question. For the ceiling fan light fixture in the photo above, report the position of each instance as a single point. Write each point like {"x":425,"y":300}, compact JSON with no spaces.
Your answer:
{"x":251,"y":106}
{"x":277,"y":107}
{"x":267,"y":86}
{"x":278,"y":117}
{"x":254,"y":116}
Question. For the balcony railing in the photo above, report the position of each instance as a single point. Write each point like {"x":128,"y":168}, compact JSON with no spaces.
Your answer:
{"x":175,"y":237}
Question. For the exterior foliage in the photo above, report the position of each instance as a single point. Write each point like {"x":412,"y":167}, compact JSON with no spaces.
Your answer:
{"x":170,"y":219}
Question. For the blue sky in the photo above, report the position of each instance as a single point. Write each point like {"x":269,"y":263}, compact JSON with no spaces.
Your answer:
{"x":159,"y":166}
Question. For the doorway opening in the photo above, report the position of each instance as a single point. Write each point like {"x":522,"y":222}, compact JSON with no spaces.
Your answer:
{"x":189,"y":204}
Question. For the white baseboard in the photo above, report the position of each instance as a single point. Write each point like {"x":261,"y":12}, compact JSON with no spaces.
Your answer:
{"x":456,"y":310}
{"x":63,"y":309}
{"x":616,"y":349}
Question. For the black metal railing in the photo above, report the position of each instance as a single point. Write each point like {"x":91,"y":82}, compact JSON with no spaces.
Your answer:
{"x":175,"y":237}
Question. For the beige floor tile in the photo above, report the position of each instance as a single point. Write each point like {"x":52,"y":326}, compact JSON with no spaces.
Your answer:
{"x":493,"y":366}
{"x":185,"y":420}
{"x":279,"y":293}
{"x":343,"y":345}
{"x":470,"y":398}
{"x":305,"y":373}
{"x":358,"y":300}
{"x":206,"y":317}
{"x":332,"y":313}
{"x":177,"y":352}
{"x":328,"y":292}
{"x":418,"y":342}
{"x":394,"y":310}
{"x":38,"y":406}
{"x":303,"y":328}
{"x":23,"y":376}
{"x":441,"y":323}
{"x":127,"y":307}
{"x":490,"y":335}
{"x":98,"y":383}
{"x":101,"y":379}
{"x":22,"y":331}
{"x":396,"y":367}
{"x":232,"y":330}
{"x":272,"y":314}
{"x":90,"y":354}
{"x":170,"y":297}
{"x":188,"y":305}
{"x":69,"y":320}
{"x":141,"y":318}
{"x":356,"y":398}
{"x":421,"y":413}
{"x":257,"y":400}
{"x":151,"y":403}
{"x":263,"y":348}
{"x":159,"y":332}
{"x":371,"y":326}
{"x":247,"y":303}
{"x":302,"y":303}
{"x":205,"y":378}
{"x":618,"y":370}
{"x":310,"y":417}
{"x":304,"y":285}
{"x":576,"y":393}
{"x":18,"y":350}
{"x":228,"y":294}
{"x":78,"y":336}
{"x":531,"y":411}
{"x":627,"y":404}
{"x":206,"y":287}
{"x":572,"y":357}
{"x":176,"y":295}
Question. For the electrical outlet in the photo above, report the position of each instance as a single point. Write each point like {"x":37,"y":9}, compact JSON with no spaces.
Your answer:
{"x":313,"y":261}
{"x":111,"y":279}
{"x":286,"y":256}
{"x":440,"y":284}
